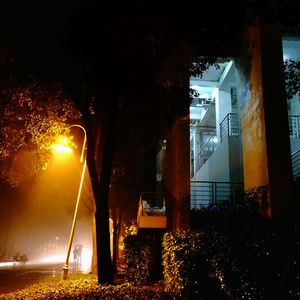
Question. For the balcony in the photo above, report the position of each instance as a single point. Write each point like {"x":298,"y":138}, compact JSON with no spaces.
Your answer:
{"x":151,"y":212}
{"x":229,"y":126}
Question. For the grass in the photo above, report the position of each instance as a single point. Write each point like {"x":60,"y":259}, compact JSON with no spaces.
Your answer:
{"x":80,"y":286}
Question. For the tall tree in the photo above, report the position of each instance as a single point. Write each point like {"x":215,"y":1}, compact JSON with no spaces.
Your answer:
{"x":138,"y":56}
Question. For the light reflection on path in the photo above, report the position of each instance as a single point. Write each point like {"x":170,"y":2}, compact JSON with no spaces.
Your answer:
{"x":18,"y":276}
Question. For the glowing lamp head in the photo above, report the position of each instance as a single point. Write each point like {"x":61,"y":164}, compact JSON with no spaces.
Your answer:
{"x":62,"y":146}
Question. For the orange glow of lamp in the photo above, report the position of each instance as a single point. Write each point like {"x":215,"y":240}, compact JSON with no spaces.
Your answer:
{"x":62,"y":146}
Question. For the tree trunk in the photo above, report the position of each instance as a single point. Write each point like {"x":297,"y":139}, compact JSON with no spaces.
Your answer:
{"x":94,"y":257}
{"x":117,"y":219}
{"x":101,"y":191}
{"x":101,"y":182}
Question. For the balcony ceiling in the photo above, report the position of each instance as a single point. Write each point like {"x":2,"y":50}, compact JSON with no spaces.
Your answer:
{"x":211,"y":75}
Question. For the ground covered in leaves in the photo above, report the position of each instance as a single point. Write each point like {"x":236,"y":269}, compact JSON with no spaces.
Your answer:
{"x":86,"y":287}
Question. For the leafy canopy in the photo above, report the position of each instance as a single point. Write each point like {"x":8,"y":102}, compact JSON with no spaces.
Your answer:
{"x":33,"y":116}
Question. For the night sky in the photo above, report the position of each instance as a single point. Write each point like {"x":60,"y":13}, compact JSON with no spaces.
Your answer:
{"x":37,"y":34}
{"x":54,"y":40}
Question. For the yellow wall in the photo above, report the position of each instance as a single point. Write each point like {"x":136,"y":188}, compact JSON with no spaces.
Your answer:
{"x":265,"y":135}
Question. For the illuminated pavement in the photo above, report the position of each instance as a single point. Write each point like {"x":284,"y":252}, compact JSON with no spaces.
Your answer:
{"x":17,"y":277}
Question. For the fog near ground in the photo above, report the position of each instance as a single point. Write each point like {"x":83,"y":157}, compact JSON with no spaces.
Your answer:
{"x":36,"y":217}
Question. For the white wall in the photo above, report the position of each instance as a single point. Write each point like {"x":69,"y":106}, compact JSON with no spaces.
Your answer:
{"x":225,"y":164}
{"x":216,"y":168}
{"x":295,"y":144}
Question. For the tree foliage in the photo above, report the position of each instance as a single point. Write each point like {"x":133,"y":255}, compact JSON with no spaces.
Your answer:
{"x":284,"y":12}
{"x":292,"y":77}
{"x":33,"y":116}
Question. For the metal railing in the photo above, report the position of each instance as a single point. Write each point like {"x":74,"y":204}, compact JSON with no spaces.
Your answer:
{"x":204,"y":193}
{"x":296,"y":164}
{"x":294,"y":126}
{"x":206,"y":151}
{"x":229,"y":126}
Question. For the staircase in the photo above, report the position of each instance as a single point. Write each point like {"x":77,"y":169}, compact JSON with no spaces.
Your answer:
{"x":296,"y":165}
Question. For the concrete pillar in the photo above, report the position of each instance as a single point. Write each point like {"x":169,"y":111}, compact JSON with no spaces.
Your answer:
{"x":265,"y":133}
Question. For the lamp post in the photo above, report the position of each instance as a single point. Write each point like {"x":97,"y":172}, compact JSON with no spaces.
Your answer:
{"x":64,"y":272}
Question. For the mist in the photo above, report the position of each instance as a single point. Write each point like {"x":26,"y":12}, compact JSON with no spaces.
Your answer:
{"x":36,"y":216}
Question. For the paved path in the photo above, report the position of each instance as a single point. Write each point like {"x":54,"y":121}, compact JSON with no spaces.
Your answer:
{"x":17,"y":277}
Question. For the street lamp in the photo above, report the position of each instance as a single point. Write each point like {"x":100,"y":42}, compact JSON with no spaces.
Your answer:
{"x":64,"y":272}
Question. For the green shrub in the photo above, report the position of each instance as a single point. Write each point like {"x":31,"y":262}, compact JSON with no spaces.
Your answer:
{"x":257,"y":262}
{"x":186,"y":271}
{"x":137,"y":256}
{"x":253,"y":257}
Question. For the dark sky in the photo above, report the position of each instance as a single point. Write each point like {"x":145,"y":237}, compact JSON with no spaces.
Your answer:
{"x":43,"y":33}
{"x":37,"y":32}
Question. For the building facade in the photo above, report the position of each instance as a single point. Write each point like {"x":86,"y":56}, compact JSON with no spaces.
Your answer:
{"x":244,"y":132}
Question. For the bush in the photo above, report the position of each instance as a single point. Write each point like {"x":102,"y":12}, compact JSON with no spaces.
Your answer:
{"x":257,"y":262}
{"x":187,"y":273}
{"x":250,"y":259}
{"x":137,"y":256}
{"x":253,"y":257}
